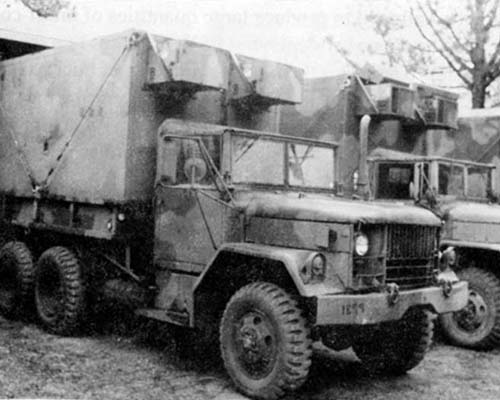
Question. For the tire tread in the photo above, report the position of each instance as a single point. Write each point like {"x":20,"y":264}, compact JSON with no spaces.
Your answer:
{"x":298,"y":351}
{"x":72,"y":280}
{"x":25,"y":275}
{"x":491,"y":283}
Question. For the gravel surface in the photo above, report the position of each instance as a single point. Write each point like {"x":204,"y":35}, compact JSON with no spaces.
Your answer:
{"x":110,"y":365}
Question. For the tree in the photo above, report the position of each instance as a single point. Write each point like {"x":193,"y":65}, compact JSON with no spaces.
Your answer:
{"x":414,"y":57}
{"x":45,"y":8}
{"x":389,"y":47}
{"x":466,"y":35}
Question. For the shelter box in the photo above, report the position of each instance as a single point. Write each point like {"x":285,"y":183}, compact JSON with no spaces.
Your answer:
{"x":79,"y":122}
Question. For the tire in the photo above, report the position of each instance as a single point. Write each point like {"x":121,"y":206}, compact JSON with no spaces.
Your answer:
{"x":477,"y":326}
{"x":17,"y":276}
{"x":396,"y":347}
{"x":59,"y":291}
{"x":265,"y":342}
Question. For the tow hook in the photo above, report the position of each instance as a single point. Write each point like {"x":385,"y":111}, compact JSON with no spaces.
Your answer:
{"x":392,"y":293}
{"x":446,"y":279}
{"x":447,"y":287}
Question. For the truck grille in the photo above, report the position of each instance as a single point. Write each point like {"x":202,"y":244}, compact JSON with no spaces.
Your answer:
{"x":410,"y":250}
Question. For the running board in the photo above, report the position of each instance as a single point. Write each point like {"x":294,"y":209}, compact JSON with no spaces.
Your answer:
{"x":172,"y":317}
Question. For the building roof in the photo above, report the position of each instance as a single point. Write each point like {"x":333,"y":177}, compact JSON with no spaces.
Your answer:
{"x":14,"y":43}
{"x":35,"y":39}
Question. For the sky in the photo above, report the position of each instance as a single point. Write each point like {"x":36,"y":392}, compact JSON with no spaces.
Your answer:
{"x":289,"y":31}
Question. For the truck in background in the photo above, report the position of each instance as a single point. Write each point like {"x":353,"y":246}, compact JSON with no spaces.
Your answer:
{"x":141,"y":162}
{"x":476,"y":138}
{"x":406,"y":124}
{"x":462,"y":193}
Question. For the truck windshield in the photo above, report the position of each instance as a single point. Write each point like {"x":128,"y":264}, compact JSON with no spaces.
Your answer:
{"x":459,"y":180}
{"x":394,"y":180}
{"x":451,"y":179}
{"x":478,"y":181}
{"x":265,"y":160}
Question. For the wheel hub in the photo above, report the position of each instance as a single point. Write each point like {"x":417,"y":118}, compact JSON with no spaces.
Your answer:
{"x":255,"y":343}
{"x":474,"y":314}
{"x":248,"y":338}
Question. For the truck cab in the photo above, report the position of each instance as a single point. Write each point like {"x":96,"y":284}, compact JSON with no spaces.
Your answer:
{"x":462,"y":194}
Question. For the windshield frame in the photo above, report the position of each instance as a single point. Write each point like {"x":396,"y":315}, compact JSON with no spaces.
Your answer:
{"x":226,"y":163}
{"x":433,"y":172}
{"x":465,"y":166}
{"x":286,"y":141}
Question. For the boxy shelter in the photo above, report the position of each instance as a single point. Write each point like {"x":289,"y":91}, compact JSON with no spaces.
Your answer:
{"x":92,"y":110}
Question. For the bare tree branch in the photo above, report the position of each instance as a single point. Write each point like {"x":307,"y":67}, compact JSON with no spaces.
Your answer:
{"x":494,"y":57}
{"x":493,"y":73}
{"x":45,"y":8}
{"x":444,"y":46}
{"x":492,"y":15}
{"x":457,"y":69}
{"x":448,"y":25}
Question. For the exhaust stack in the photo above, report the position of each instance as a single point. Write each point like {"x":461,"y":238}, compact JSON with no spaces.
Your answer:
{"x":364,"y":126}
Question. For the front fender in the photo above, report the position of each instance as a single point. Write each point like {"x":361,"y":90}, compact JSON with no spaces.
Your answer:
{"x":291,"y":259}
{"x":460,"y":244}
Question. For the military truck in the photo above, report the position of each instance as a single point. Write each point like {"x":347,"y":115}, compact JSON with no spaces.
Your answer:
{"x":139,"y":164}
{"x":403,"y":126}
{"x":462,"y":193}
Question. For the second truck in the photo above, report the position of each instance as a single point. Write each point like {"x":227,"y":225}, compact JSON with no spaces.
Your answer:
{"x":394,"y":125}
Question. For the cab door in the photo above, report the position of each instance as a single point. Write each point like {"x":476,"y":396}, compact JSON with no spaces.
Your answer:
{"x":190,"y":217}
{"x":189,"y":211}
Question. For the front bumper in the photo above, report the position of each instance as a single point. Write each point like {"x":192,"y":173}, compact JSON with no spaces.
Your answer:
{"x":373,"y":308}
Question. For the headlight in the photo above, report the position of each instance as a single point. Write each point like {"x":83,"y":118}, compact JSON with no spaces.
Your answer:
{"x":318,"y":265}
{"x":361,"y":244}
{"x":314,"y":269}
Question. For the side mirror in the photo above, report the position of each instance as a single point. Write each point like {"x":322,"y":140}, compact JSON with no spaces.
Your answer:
{"x":195,"y":169}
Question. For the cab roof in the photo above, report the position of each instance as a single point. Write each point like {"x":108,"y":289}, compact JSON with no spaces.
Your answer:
{"x":180,"y":127}
{"x":382,"y":154}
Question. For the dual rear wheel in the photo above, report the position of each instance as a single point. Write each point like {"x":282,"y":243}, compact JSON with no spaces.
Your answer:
{"x":53,"y":286}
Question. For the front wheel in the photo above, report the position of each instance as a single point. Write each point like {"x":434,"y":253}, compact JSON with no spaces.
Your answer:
{"x":396,"y":347}
{"x":477,"y":326}
{"x":265,"y":341}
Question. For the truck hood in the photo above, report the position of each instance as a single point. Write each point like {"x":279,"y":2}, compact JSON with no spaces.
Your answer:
{"x":472,"y":212}
{"x":327,"y":209}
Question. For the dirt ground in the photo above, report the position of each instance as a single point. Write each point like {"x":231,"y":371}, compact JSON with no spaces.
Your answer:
{"x":111,"y":365}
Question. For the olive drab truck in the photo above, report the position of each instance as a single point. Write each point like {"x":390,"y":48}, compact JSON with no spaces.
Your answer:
{"x":146,"y":163}
{"x":404,"y":128}
{"x":462,"y":193}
